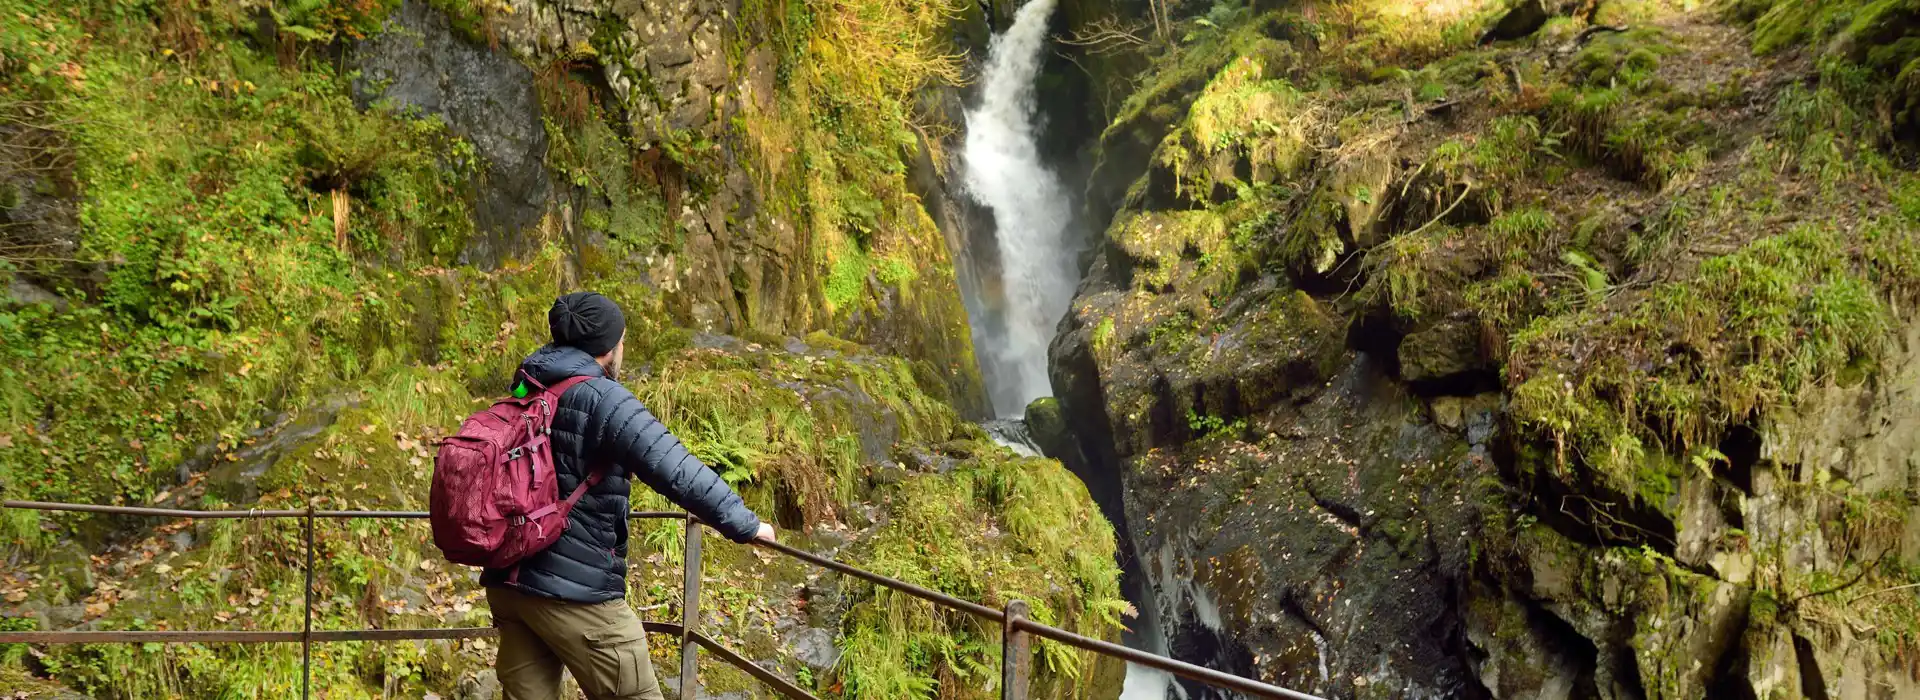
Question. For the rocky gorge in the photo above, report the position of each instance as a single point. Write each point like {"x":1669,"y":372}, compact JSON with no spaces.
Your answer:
{"x":1451,"y":349}
{"x":1512,"y":351}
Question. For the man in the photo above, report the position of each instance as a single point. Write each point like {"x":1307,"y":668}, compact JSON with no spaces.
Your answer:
{"x":566,"y":605}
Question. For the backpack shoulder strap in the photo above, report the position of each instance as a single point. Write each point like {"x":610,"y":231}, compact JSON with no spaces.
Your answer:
{"x":560,"y":388}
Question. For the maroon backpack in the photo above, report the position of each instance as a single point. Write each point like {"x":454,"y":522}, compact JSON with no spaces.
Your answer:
{"x":495,"y":497}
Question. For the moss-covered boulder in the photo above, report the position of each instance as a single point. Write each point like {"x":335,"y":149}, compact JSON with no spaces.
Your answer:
{"x":1641,"y":279}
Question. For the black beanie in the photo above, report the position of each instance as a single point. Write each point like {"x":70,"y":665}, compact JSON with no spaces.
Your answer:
{"x":587,"y":321}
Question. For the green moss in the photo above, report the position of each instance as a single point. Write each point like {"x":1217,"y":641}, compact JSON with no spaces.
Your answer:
{"x":1103,"y":338}
{"x":734,"y":413}
{"x":1757,"y":326}
{"x":1246,"y":106}
{"x":897,"y":272}
{"x":1628,"y":60}
{"x":1162,"y":241}
{"x":1509,"y":299}
{"x":1033,"y":510}
{"x":1516,"y":234}
{"x":1178,"y":74}
{"x":847,"y":280}
{"x":631,"y":214}
{"x":1407,"y":272}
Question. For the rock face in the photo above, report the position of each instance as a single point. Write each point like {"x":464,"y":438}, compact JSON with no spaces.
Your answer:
{"x":660,"y":179}
{"x":417,"y":63}
{"x":1295,"y":365}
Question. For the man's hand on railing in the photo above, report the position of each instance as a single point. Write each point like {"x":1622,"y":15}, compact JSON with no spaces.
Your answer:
{"x":765,"y":534}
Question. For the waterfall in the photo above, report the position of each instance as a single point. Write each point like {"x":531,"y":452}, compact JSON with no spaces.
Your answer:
{"x":1025,"y":290}
{"x":1031,"y":215}
{"x":1149,"y":684}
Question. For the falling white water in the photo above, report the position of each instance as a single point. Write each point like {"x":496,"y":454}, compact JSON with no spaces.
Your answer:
{"x":1031,"y":213}
{"x":1145,"y":683}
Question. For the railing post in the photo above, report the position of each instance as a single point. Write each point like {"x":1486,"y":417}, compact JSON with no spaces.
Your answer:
{"x":306,"y":629}
{"x":1016,"y":657}
{"x":690,"y":613}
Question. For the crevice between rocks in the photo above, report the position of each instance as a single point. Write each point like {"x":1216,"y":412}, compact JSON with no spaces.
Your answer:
{"x":1812,"y":685}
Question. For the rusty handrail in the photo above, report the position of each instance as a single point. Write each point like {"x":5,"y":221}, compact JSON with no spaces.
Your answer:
{"x":265,"y":514}
{"x":1013,"y":619}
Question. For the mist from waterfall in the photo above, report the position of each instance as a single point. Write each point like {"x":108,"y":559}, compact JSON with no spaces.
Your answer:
{"x":1031,"y":214}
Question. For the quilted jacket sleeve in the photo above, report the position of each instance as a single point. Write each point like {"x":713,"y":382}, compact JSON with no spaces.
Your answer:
{"x":641,"y":445}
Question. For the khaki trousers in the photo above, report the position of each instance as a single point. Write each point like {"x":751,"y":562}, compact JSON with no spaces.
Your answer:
{"x":603,"y":645}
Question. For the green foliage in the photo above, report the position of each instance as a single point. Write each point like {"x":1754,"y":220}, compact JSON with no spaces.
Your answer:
{"x":1627,"y":60}
{"x":1637,"y":141}
{"x":1180,"y":72}
{"x":217,"y":286}
{"x":732,"y":411}
{"x":1509,"y":299}
{"x":1210,"y":426}
{"x":1163,"y":242}
{"x":1405,"y":273}
{"x":1034,"y":510}
{"x":897,"y":273}
{"x":1754,"y":327}
{"x":593,"y":157}
{"x":1593,"y":280}
{"x":847,"y":278}
{"x":834,"y":145}
{"x":12,"y":654}
{"x":1516,"y":234}
{"x":1103,"y":337}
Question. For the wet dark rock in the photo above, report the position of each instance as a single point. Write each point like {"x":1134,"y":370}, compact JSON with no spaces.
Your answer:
{"x":826,"y":599}
{"x":484,"y":685}
{"x":237,"y":478}
{"x":1048,"y":426}
{"x":1013,"y":434}
{"x":923,"y":461}
{"x":1525,"y":18}
{"x":1447,"y":352}
{"x":887,"y":475}
{"x":20,"y":293}
{"x":418,"y":63}
{"x":814,"y":648}
{"x":1523,"y":654}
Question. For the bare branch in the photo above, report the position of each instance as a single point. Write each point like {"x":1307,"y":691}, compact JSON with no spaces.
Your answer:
{"x":1106,"y":36}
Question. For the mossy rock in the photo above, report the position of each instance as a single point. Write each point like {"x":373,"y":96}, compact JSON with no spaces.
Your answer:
{"x":1444,"y":350}
{"x":1159,"y":242}
{"x":1047,"y":423}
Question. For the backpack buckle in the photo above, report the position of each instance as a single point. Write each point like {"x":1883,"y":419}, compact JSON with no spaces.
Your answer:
{"x":515,"y":453}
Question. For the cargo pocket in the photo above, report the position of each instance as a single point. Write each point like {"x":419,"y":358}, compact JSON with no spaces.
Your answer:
{"x":618,"y":650}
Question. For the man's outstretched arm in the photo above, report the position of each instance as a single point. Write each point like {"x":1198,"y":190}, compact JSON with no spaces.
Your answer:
{"x":639,"y":443}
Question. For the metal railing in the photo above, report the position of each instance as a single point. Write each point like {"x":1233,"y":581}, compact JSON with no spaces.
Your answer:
{"x":1017,"y":629}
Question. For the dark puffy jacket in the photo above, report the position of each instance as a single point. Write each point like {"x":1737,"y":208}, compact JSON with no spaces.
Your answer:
{"x":600,"y":423}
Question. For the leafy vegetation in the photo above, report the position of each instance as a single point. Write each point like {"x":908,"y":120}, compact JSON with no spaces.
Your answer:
{"x":262,"y":289}
{"x":902,"y":647}
{"x":834,"y":141}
